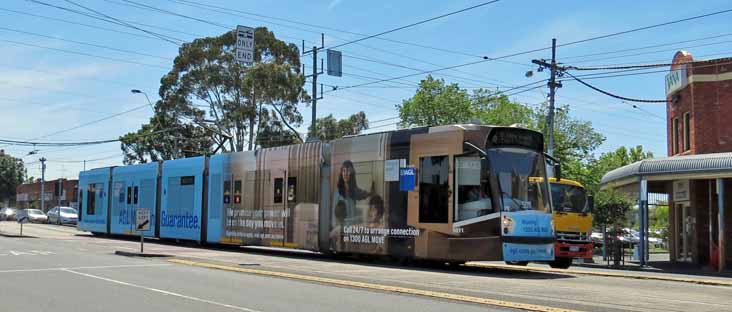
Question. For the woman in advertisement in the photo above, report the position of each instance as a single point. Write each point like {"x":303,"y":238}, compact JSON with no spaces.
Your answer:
{"x":349,"y":193}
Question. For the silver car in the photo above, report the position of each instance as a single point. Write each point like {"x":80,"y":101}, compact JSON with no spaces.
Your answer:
{"x":34,"y":215}
{"x":68,"y":215}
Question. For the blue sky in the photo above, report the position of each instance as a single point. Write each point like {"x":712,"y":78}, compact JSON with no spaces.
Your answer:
{"x":46,"y":90}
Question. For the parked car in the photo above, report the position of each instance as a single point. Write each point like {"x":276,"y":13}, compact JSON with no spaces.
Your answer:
{"x":598,"y":239}
{"x":68,"y":215}
{"x":34,"y":215}
{"x":7,"y":214}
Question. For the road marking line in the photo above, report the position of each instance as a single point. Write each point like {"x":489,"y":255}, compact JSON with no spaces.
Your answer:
{"x":605,"y":274}
{"x":87,"y":268}
{"x":386,"y":288}
{"x":165,"y":292}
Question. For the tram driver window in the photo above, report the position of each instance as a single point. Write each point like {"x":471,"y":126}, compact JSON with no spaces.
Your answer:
{"x":433,"y":189}
{"x":473,"y":192}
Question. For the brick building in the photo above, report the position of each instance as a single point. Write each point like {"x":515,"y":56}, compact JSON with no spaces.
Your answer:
{"x":700,"y":103}
{"x":58,"y":193}
{"x":697,"y":174}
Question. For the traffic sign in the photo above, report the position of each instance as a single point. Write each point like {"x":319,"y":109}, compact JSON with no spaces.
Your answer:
{"x":334,"y":63}
{"x":23,"y":220}
{"x":142,"y":217}
{"x":244,"y":45}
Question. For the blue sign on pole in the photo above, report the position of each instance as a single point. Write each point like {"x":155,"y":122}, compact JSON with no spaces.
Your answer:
{"x":407,"y":178}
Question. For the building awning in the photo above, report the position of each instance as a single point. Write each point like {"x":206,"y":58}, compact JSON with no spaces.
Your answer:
{"x":702,"y":166}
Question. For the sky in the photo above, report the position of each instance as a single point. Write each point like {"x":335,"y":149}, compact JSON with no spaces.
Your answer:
{"x":61,"y":71}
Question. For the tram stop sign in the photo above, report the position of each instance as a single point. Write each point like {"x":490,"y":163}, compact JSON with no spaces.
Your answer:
{"x":407,"y":178}
{"x":142,"y":219}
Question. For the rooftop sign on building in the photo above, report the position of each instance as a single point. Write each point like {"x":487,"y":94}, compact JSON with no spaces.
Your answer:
{"x":676,"y":80}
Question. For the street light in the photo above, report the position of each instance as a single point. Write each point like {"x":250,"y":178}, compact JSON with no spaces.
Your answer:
{"x":136,"y":91}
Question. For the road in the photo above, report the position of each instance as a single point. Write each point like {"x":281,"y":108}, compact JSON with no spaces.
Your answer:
{"x":64,"y":270}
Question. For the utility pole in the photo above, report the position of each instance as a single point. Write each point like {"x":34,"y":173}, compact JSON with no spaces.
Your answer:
{"x":555,"y":71}
{"x":43,"y":183}
{"x":314,"y":76}
{"x":60,"y":193}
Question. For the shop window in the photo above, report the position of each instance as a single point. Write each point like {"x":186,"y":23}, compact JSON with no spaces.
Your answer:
{"x":687,"y":131}
{"x":675,"y":136}
{"x":433,"y":189}
{"x":278,"y":190}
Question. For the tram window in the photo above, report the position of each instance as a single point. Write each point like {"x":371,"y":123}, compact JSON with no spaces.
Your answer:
{"x":237,"y":191}
{"x":135,"y":195}
{"x":129,"y":195}
{"x":291,"y":189}
{"x":91,"y":196}
{"x":278,"y":190}
{"x":433,"y":189}
{"x":187,"y":180}
{"x":227,"y":192}
{"x":473,"y":192}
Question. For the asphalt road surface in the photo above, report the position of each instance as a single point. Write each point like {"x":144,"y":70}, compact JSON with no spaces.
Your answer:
{"x":64,"y":270}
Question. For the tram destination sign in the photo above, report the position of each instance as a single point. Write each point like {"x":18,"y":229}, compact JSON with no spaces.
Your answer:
{"x":517,"y":137}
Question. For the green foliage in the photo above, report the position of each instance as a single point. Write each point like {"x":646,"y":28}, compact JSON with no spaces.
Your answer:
{"x":611,"y":208}
{"x":498,"y":110}
{"x":594,"y":169}
{"x":329,"y":128}
{"x":12,"y":174}
{"x":206,"y":83}
{"x":659,"y":220}
{"x":436,"y":103}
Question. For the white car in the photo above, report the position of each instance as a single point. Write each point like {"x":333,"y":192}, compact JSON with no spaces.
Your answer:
{"x":68,"y":215}
{"x":33,"y":215}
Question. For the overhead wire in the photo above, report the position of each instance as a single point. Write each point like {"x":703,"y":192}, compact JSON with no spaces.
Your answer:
{"x":83,"y":53}
{"x":86,"y":43}
{"x":107,"y":18}
{"x":413,"y":24}
{"x":614,"y":95}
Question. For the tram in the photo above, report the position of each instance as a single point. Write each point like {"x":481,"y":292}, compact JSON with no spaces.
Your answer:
{"x":450,"y":193}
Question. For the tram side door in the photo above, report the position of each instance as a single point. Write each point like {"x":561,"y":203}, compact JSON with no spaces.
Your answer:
{"x":132,"y":193}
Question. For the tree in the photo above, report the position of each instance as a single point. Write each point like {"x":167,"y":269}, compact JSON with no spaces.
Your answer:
{"x":611,"y":208}
{"x":591,"y":173}
{"x":205,"y":81}
{"x":493,"y":109}
{"x":436,"y":103}
{"x":329,"y":128}
{"x":12,"y":174}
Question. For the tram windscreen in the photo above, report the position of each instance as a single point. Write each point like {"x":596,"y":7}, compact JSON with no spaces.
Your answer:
{"x":569,"y":198}
{"x":521,"y":176}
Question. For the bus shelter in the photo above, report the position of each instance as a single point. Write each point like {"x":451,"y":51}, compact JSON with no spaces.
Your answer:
{"x":700,"y":203}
